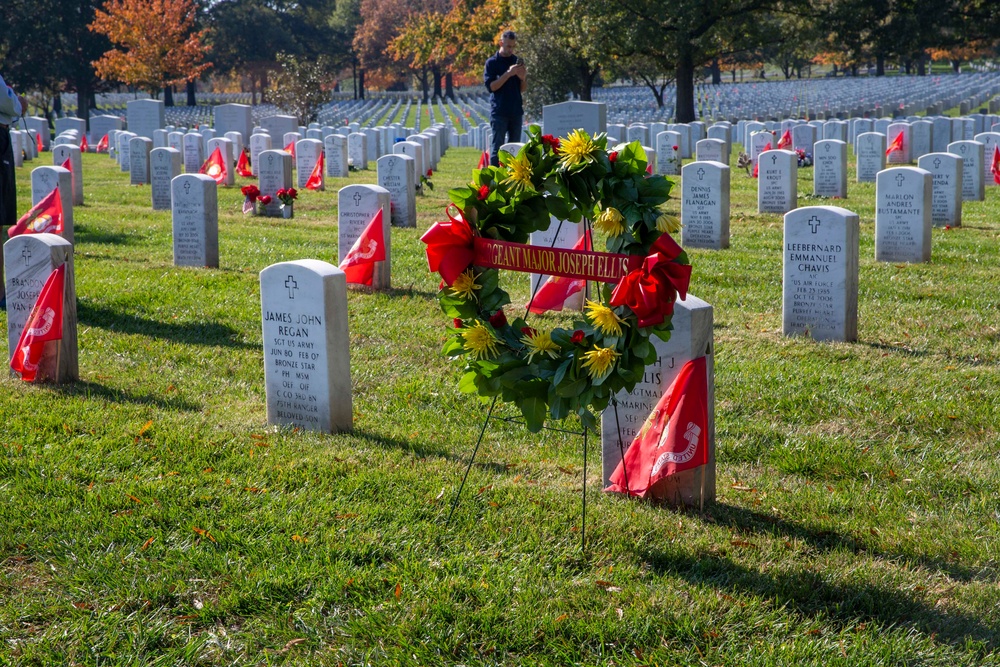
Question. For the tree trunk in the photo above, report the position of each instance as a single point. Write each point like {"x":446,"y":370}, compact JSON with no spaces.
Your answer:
{"x":685,"y":83}
{"x":906,"y":66}
{"x":587,"y":76}
{"x":191,"y":101}
{"x":879,"y":65}
{"x":263,"y":87}
{"x":449,"y":86}
{"x":422,"y":77}
{"x":354,"y":76}
{"x":716,"y":72}
{"x":361,"y":83}
{"x":168,"y":96}
{"x":436,"y":71}
{"x":956,"y":66}
{"x":57,"y":103}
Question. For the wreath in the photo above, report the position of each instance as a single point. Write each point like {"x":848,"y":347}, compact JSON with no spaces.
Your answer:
{"x":559,"y":371}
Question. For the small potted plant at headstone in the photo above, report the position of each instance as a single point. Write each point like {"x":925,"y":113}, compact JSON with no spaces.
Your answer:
{"x":287,"y":197}
{"x":251,"y":194}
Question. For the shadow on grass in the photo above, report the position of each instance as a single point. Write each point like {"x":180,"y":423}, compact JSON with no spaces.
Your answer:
{"x":193,"y":333}
{"x":84,"y":234}
{"x":810,"y":594}
{"x":741,"y":520}
{"x":898,"y":349}
{"x":96,"y":390}
{"x":423,"y":449}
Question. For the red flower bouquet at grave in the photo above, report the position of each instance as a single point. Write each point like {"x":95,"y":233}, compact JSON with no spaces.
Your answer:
{"x":287,"y":196}
{"x":251,"y":194}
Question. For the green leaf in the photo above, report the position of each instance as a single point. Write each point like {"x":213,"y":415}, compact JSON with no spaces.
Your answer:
{"x":571,"y":388}
{"x":534,"y":410}
{"x":467,"y":384}
{"x":561,"y":372}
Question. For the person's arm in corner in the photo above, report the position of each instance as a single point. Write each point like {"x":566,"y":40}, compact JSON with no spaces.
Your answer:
{"x":10,"y":102}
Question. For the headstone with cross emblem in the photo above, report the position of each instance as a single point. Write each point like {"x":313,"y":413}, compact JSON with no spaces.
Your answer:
{"x":274,"y":171}
{"x":357,"y":150}
{"x":123,"y":139}
{"x":60,"y":154}
{"x":946,"y":198}
{"x":830,"y":169}
{"x":820,"y":273}
{"x":278,"y":126}
{"x":622,"y":421}
{"x":760,"y":142}
{"x":194,"y":208}
{"x":711,"y":150}
{"x":705,"y":204}
{"x":356,"y":207}
{"x":991,"y":150}
{"x":869,"y":147}
{"x":903,"y":215}
{"x":335,"y":148}
{"x":29,"y":259}
{"x":415,"y":150}
{"x":145,"y":116}
{"x":259,"y":143}
{"x":397,"y":174}
{"x":43,"y":181}
{"x":973,"y":153}
{"x":307,"y":365}
{"x":803,"y":138}
{"x":164,"y":166}
{"x":233,"y":118}
{"x":307,"y":154}
{"x":138,"y":160}
{"x":777,"y":181}
{"x":942,"y":133}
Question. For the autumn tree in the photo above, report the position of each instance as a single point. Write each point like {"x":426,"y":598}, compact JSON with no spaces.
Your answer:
{"x":156,"y":43}
{"x":302,"y":86}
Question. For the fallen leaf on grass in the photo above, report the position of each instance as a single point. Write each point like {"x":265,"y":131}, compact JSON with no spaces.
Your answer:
{"x":292,"y":643}
{"x":145,"y":545}
{"x":562,"y":618}
{"x":201,"y":532}
{"x":399,"y":590}
{"x":608,"y":586}
{"x":145,"y":427}
{"x":134,"y":499}
{"x":254,"y":489}
{"x":83,"y":605}
{"x":299,"y":538}
{"x":349,"y":515}
{"x":743,"y":543}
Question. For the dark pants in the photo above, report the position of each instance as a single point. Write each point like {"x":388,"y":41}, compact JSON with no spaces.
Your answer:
{"x":8,"y":205}
{"x":506,"y":129}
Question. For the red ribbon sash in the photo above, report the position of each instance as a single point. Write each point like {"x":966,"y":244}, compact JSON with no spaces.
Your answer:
{"x":603,"y":267}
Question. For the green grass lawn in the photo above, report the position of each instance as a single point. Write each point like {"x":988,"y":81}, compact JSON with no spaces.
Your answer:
{"x":151,"y":516}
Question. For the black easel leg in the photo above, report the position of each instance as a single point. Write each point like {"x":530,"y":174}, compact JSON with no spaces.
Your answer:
{"x":583,"y":524}
{"x":621,"y":445}
{"x":482,"y":432}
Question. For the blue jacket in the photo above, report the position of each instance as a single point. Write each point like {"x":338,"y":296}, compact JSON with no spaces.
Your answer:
{"x":507,"y":100}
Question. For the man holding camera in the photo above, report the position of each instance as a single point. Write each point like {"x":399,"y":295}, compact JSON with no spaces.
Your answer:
{"x":506,"y":78}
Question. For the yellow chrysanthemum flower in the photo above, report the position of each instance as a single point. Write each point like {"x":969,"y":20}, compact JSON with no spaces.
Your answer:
{"x":540,"y":344}
{"x":576,"y":149}
{"x":668,"y":224}
{"x":599,"y":362}
{"x":604,"y":319}
{"x":479,"y":341}
{"x":465,"y":285}
{"x":520,"y":173}
{"x":610,"y":222}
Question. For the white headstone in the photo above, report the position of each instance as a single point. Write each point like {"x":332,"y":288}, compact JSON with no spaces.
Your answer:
{"x":711,"y":150}
{"x":942,"y":133}
{"x":356,"y":207}
{"x":820,"y":281}
{"x":777,"y":181}
{"x":830,"y":169}
{"x":194,"y":208}
{"x":416,"y":151}
{"x":973,"y":155}
{"x":41,"y":128}
{"x":193,"y":154}
{"x":921,"y":138}
{"x":397,"y":174}
{"x":138,"y":160}
{"x":705,"y":205}
{"x":233,"y":118}
{"x":175,"y":140}
{"x":870,"y":150}
{"x":561,"y":119}
{"x":164,"y":167}
{"x":690,"y":339}
{"x":123,"y":139}
{"x":307,"y":154}
{"x":64,"y":152}
{"x":901,"y":156}
{"x":236,"y":139}
{"x":29,"y":260}
{"x":357,"y":150}
{"x":274,"y":171}
{"x":277,"y":126}
{"x":946,"y":178}
{"x":43,"y":181}
{"x":903,"y":215}
{"x":307,"y":366}
{"x":668,"y":152}
{"x":101,"y":125}
{"x":258,"y":144}
{"x":803,"y":138}
{"x":335,"y":147}
{"x":145,"y":116}
{"x":991,"y":144}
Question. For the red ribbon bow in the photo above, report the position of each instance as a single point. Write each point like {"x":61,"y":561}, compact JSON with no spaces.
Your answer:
{"x":450,"y":245}
{"x":650,"y":291}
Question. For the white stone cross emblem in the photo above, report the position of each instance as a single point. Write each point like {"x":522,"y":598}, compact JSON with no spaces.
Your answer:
{"x":900,"y":179}
{"x":26,"y":254}
{"x":357,"y":199}
{"x":774,"y":159}
{"x":701,"y":174}
{"x":187,"y":187}
{"x":292,"y":286}
{"x":814,"y":223}
{"x":937,"y":163}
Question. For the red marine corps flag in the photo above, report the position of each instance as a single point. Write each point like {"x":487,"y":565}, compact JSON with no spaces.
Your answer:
{"x":359,"y":265}
{"x":673,"y":439}
{"x":290,"y":148}
{"x":896,"y":145}
{"x":556,"y":289}
{"x":785,"y":141}
{"x":215,"y":166}
{"x":484,"y":160}
{"x":102,"y":145}
{"x":315,"y":181}
{"x":995,"y":166}
{"x":243,"y":164}
{"x":84,"y":146}
{"x":44,"y":324}
{"x":45,"y":216}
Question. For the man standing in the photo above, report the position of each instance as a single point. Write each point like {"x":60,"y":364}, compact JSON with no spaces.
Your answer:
{"x":11,"y":107}
{"x":506,"y":78}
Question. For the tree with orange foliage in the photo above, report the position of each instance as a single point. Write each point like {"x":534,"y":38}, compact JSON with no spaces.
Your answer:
{"x":156,"y":43}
